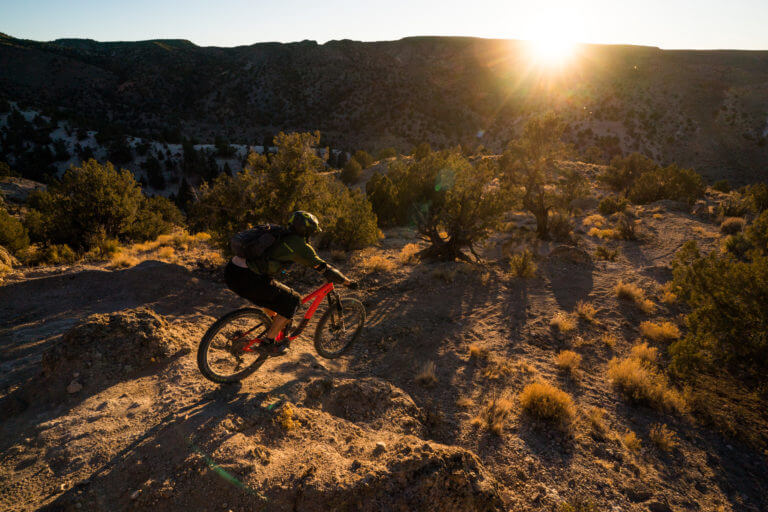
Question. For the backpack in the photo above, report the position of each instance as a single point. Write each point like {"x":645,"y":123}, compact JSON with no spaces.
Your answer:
{"x":252,"y":244}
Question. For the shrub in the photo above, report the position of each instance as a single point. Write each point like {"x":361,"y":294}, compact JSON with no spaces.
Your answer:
{"x":372,"y":262}
{"x":563,"y":322}
{"x":427,"y":376}
{"x":92,"y":202}
{"x":755,"y":197}
{"x":631,"y":441}
{"x":623,"y":172}
{"x":664,"y":439}
{"x":604,"y":253}
{"x":352,"y":172}
{"x":757,"y":233}
{"x":522,"y":264}
{"x":560,"y":225}
{"x":640,"y":382}
{"x":732,"y":225}
{"x":728,"y":318}
{"x":409,"y":254}
{"x":738,"y":245}
{"x":386,"y":153}
{"x":612,"y":204}
{"x":477,"y":352}
{"x":596,"y":220}
{"x":596,"y":418}
{"x":546,"y":402}
{"x":530,"y":166}
{"x":13,"y":234}
{"x":642,"y":352}
{"x":497,"y":370}
{"x":671,"y":182}
{"x":494,"y":414}
{"x":722,"y":186}
{"x":268,"y":190}
{"x":664,"y":331}
{"x":383,"y":195}
{"x":56,"y":254}
{"x":156,"y":216}
{"x":568,"y":361}
{"x":632,"y":292}
{"x":364,"y":158}
{"x":625,"y":228}
{"x":586,"y":311}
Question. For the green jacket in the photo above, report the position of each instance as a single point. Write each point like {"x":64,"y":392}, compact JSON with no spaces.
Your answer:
{"x":290,"y":249}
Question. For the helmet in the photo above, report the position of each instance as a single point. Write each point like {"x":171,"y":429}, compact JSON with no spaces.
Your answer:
{"x":303,"y":224}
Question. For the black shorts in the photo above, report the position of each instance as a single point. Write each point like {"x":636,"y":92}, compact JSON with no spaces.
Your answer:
{"x":262,"y":290}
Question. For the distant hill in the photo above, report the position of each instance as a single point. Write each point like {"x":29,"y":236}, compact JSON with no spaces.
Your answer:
{"x":705,"y":109}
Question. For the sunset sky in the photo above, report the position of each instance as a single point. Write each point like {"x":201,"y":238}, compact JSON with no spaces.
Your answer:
{"x":668,"y":24}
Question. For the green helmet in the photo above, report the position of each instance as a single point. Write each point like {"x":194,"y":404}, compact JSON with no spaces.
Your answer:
{"x":303,"y":224}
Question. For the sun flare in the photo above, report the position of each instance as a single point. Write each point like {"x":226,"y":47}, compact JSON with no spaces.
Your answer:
{"x":551,"y":51}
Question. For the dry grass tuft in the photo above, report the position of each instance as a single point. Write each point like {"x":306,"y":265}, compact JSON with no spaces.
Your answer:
{"x":604,"y":253}
{"x":596,"y":220}
{"x":632,"y":292}
{"x":568,"y":361}
{"x":732,"y":225}
{"x":663,"y":438}
{"x":609,"y":340}
{"x":376,"y":263}
{"x":494,"y":414}
{"x":522,"y":264}
{"x":477,"y":352}
{"x":643,"y":352}
{"x":640,"y":382}
{"x":664,"y":331}
{"x":427,"y":376}
{"x":604,"y":233}
{"x":668,"y":294}
{"x":546,"y":402}
{"x":166,"y":252}
{"x":586,"y":311}
{"x":497,"y":370}
{"x":409,"y":254}
{"x":286,"y":417}
{"x":596,"y":419}
{"x":631,"y":441}
{"x":563,"y":322}
{"x":464,"y":402}
{"x":123,"y":260}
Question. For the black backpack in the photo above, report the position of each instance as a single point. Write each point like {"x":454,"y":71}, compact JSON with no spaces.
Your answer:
{"x":252,"y":244}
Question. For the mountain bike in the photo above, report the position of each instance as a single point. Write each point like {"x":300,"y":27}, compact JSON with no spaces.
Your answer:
{"x":230,"y":349}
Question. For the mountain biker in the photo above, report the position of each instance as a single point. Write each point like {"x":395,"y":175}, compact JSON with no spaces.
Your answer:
{"x":254,"y":279}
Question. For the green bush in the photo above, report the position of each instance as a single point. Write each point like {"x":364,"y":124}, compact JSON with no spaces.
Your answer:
{"x":352,"y":172}
{"x":738,"y":245}
{"x":612,"y":204}
{"x":156,"y":216}
{"x":671,"y":182}
{"x":364,"y":158}
{"x":560,"y":225}
{"x":56,"y":254}
{"x":386,"y":153}
{"x":722,"y":186}
{"x":268,"y":190}
{"x":757,"y":233}
{"x":383,"y":195}
{"x":624,"y":171}
{"x":625,"y":228}
{"x":91,"y":202}
{"x":756,"y":197}
{"x":13,"y":234}
{"x":728,"y":321}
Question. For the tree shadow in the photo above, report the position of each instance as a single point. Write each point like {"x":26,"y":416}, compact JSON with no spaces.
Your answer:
{"x":570,"y":282}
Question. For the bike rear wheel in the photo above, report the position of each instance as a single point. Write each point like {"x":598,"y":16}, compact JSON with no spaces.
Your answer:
{"x":339,"y":327}
{"x":220,"y":356}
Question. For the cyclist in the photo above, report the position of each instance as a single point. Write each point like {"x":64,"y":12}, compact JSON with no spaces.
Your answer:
{"x":255,"y":279}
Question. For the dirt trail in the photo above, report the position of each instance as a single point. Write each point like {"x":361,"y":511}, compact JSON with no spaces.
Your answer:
{"x":360,"y":432}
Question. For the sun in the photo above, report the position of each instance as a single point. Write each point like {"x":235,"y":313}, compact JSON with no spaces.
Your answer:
{"x":551,"y":51}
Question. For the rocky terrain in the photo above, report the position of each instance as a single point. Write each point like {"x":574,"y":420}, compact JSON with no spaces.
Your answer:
{"x":104,"y":409}
{"x":702,"y":109}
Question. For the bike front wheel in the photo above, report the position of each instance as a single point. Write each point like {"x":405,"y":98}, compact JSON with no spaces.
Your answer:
{"x":339,"y":327}
{"x":221,"y":357}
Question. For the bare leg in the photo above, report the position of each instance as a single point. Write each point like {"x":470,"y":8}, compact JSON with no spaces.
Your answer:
{"x":278,"y":322}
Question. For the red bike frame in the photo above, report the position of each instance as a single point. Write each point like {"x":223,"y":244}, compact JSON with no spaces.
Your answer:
{"x":317,"y":297}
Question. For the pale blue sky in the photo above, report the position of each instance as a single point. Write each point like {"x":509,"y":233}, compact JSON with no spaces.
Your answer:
{"x":739,"y":24}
